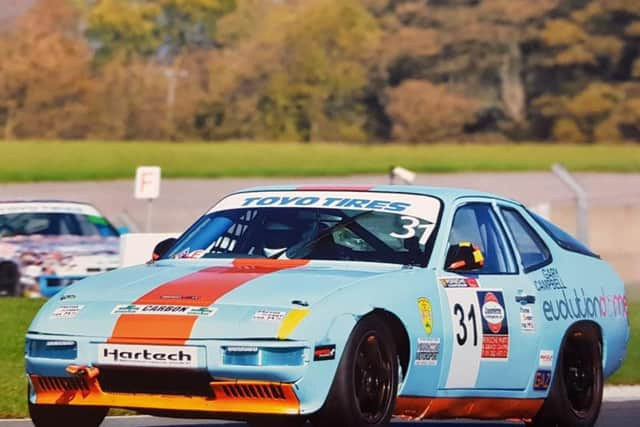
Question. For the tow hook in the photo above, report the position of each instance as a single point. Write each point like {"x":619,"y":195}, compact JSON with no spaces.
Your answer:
{"x":89,"y":372}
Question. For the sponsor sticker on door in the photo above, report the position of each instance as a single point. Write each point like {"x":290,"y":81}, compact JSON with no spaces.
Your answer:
{"x":426,"y":314}
{"x":527,"y":321}
{"x":546,"y":358}
{"x":428,"y":351}
{"x":495,"y":328}
{"x":156,"y":356}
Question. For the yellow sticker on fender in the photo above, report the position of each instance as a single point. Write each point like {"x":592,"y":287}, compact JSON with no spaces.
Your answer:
{"x":424,"y":306}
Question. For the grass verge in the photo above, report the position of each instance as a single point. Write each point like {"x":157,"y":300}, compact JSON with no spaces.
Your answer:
{"x":16,"y":314}
{"x":92,"y":160}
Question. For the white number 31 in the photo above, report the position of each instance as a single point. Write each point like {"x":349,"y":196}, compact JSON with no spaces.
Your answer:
{"x":411,"y":229}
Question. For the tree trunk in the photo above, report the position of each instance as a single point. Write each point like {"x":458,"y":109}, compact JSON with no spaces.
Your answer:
{"x":512,"y":85}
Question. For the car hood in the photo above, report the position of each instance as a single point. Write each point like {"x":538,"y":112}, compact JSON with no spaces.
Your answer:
{"x":198,"y":299}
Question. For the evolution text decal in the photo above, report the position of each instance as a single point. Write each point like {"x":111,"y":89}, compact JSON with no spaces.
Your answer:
{"x":573,"y":305}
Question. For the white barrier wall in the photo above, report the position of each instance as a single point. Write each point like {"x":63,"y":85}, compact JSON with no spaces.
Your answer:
{"x":136,"y":248}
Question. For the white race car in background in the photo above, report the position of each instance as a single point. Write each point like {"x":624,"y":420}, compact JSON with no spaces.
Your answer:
{"x":46,"y":245}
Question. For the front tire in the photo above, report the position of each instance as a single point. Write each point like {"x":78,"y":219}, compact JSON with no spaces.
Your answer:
{"x":364,"y":389}
{"x":64,"y":415}
{"x":576,"y":392}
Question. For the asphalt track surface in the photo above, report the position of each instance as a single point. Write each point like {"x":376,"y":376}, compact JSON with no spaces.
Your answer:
{"x":614,"y":414}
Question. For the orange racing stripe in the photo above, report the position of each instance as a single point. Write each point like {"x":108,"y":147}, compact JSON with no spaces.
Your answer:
{"x":202,"y":288}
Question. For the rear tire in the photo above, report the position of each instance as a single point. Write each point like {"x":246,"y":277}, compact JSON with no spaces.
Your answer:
{"x":364,"y":389}
{"x":575,"y":397}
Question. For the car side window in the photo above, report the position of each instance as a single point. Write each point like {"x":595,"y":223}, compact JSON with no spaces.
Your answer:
{"x":477,"y":223}
{"x":533,"y":252}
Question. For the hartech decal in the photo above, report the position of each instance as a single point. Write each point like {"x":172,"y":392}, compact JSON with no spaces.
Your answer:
{"x":495,"y":339}
{"x":575,"y":305}
{"x":155,"y":356}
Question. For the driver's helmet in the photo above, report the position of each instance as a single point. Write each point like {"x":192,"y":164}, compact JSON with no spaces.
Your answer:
{"x":279,"y":235}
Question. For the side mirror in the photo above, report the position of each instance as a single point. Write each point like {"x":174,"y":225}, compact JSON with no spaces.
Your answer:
{"x":464,"y":256}
{"x":162,"y":248}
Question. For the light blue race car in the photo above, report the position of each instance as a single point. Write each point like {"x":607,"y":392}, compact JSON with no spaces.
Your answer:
{"x":342,"y":306}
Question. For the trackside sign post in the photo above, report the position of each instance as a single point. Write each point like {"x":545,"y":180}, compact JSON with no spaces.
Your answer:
{"x":147,"y":187}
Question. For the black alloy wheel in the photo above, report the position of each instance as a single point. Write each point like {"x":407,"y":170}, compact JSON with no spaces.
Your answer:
{"x":580,"y":376}
{"x":365,"y":386}
{"x":575,"y":397}
{"x":373,"y":378}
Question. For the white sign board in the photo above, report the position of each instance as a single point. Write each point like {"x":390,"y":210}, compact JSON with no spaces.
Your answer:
{"x":136,"y":248}
{"x":147,"y":184}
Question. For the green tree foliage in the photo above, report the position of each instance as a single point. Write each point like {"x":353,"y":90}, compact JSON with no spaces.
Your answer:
{"x":144,"y":26}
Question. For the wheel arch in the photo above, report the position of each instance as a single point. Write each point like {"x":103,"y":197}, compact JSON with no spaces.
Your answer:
{"x":585,"y":325}
{"x":400,"y":336}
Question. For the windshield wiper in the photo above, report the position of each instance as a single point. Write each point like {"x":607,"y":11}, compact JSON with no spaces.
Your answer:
{"x":325,"y":233}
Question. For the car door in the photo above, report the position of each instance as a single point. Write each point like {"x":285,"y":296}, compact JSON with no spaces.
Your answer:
{"x":491,"y":336}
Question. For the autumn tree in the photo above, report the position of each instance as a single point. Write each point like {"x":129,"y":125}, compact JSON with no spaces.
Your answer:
{"x":300,"y":76}
{"x":588,"y":89}
{"x":423,"y":112}
{"x":475,"y":47}
{"x":45,"y":74}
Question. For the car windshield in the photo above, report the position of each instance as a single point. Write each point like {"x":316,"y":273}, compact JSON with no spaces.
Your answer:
{"x":54,"y":224}
{"x":373,"y":235}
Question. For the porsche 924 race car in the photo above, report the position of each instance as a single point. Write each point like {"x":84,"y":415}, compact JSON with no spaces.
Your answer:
{"x":342,"y":306}
{"x":46,"y":245}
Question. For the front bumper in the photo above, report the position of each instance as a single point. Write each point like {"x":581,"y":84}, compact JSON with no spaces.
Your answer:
{"x":228,"y":397}
{"x":217,"y":385}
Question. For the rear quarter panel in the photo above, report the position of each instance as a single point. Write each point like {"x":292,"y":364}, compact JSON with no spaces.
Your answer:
{"x":576,"y":288}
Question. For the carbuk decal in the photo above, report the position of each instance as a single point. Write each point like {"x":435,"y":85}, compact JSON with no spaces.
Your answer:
{"x":205,"y":286}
